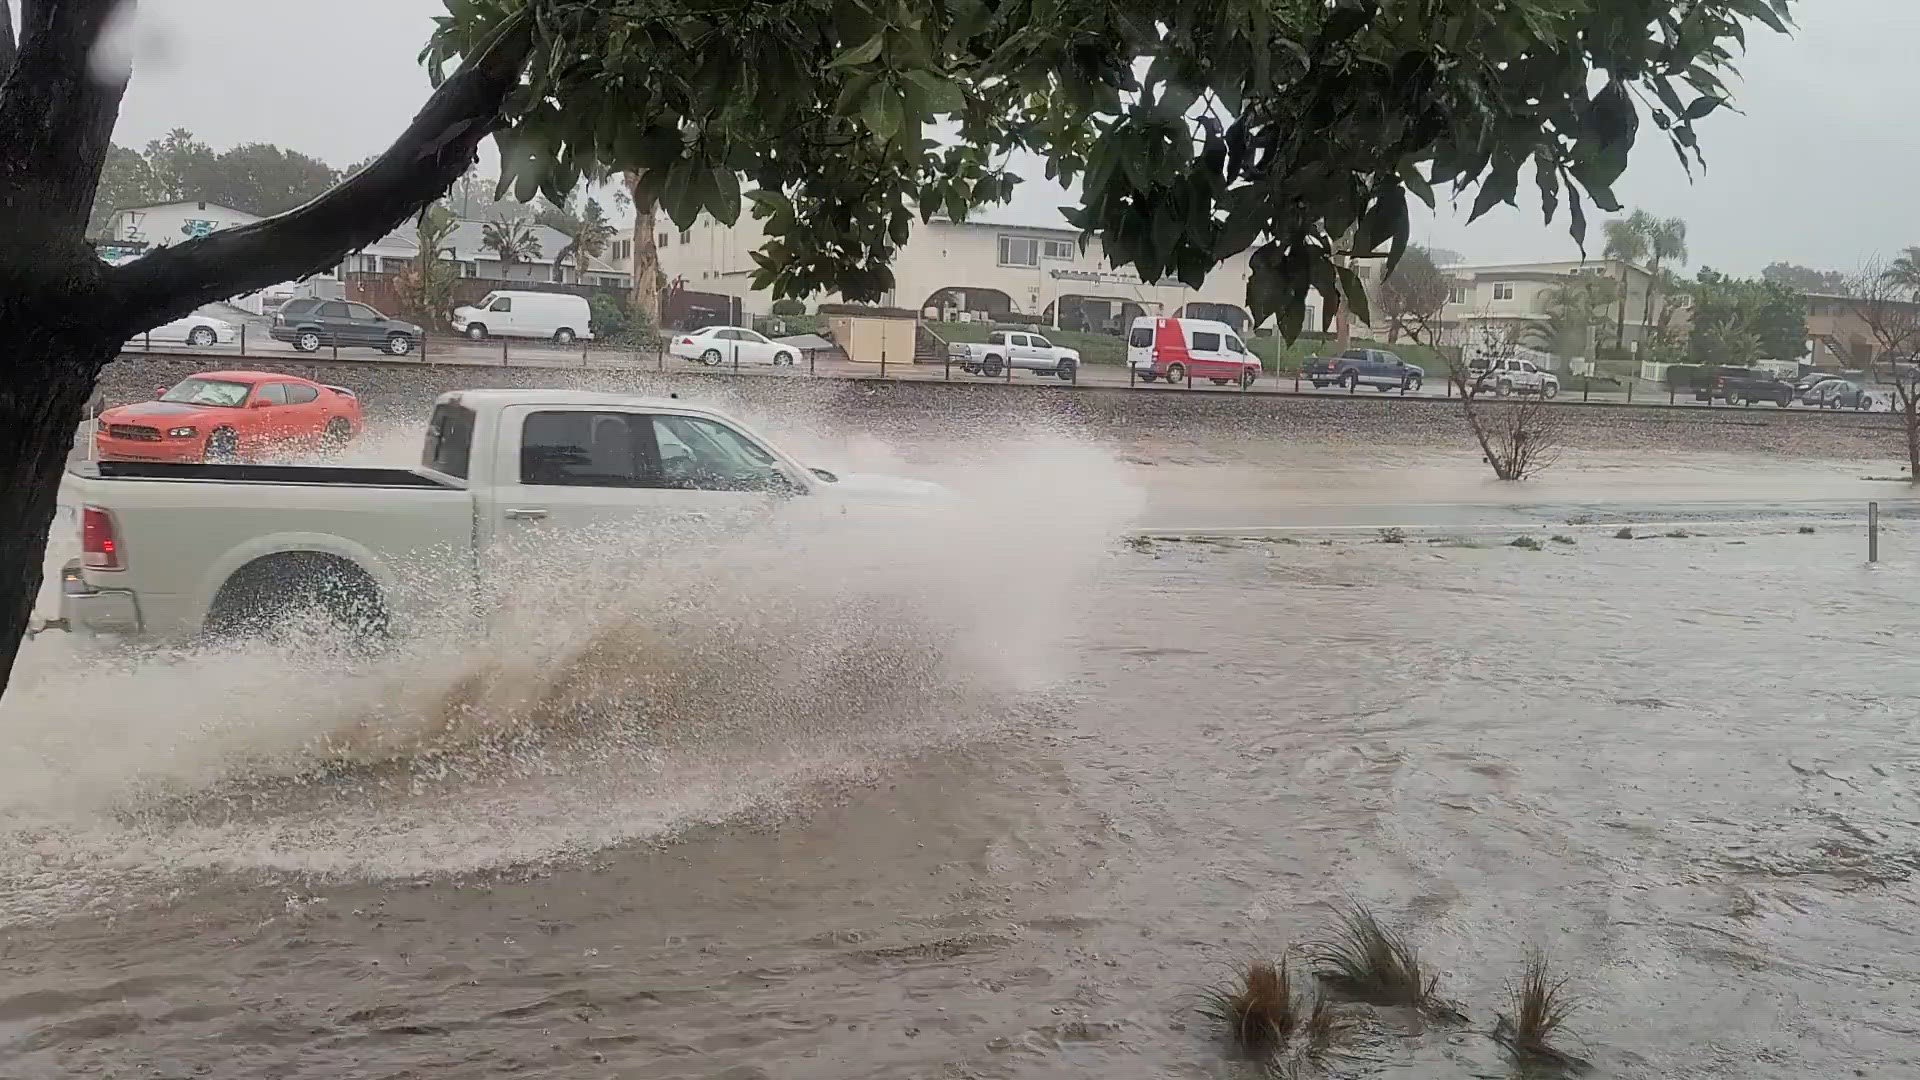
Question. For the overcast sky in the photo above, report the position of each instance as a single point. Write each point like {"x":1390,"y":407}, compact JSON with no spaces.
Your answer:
{"x":1817,"y":168}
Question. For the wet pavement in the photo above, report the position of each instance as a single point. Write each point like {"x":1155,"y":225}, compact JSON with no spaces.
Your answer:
{"x":1018,"y":813}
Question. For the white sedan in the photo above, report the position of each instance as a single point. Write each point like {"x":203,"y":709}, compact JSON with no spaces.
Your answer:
{"x":195,"y":329}
{"x":717,"y":345}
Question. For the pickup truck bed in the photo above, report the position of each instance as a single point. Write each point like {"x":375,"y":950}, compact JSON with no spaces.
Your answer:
{"x":265,"y":474}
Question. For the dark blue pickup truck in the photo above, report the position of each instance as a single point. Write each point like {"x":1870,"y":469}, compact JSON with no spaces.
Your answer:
{"x":1355,"y":368}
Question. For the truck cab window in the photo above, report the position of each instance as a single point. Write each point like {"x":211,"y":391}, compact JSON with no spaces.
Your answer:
{"x":1140,"y":338}
{"x":449,"y":440}
{"x":707,"y":456}
{"x":586,"y":449}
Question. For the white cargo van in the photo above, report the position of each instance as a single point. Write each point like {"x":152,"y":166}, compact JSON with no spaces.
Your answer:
{"x":562,"y":317}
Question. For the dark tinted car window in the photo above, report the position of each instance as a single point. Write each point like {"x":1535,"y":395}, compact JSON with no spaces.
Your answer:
{"x":449,"y":440}
{"x":274,"y":393}
{"x":588,"y":449}
{"x":333,"y":309}
{"x":1206,"y":342}
{"x":300,"y":395}
{"x":299,"y":305}
{"x":1140,"y":338}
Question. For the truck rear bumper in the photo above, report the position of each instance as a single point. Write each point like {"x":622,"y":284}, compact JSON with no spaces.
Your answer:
{"x":85,"y":609}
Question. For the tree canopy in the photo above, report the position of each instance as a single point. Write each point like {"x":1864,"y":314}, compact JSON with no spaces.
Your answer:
{"x":1805,"y":278}
{"x":1739,"y":320}
{"x":259,"y":178}
{"x":1196,"y":131}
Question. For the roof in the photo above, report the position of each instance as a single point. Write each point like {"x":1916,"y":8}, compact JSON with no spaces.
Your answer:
{"x":467,"y":242}
{"x":247,"y":376}
{"x":198,"y":204}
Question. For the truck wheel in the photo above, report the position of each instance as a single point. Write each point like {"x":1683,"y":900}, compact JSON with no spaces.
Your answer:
{"x":1413,"y":385}
{"x":711,"y":358}
{"x":991,"y":368}
{"x":1505,"y":389}
{"x":476,"y":332}
{"x":399,"y":345}
{"x":306,"y":341}
{"x":264,"y":598}
{"x":1067,"y":370}
{"x":1247,"y":377}
{"x":1176,"y":373}
{"x":563,"y":336}
{"x":1351,"y":381}
{"x":1551,"y":390}
{"x":223,"y":447}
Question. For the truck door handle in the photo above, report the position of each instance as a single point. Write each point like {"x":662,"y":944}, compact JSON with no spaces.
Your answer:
{"x":526,"y":513}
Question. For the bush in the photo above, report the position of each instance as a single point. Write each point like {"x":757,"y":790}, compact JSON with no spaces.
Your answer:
{"x":789,"y":307}
{"x":615,"y":323}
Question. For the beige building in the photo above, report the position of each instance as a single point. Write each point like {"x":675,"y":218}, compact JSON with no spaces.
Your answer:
{"x":979,"y":270}
{"x":1499,"y":296}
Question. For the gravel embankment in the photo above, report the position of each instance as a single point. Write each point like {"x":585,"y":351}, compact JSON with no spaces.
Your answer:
{"x":396,"y":392}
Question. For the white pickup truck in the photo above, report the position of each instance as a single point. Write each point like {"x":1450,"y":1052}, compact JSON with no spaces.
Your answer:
{"x":1015,"y":350}
{"x":172,"y":552}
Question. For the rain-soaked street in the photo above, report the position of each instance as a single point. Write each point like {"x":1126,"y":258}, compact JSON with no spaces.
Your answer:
{"x":998,"y":796}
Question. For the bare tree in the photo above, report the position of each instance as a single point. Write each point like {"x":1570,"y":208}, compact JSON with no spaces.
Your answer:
{"x":1887,"y":299}
{"x":1518,"y":437}
{"x":1413,"y":296}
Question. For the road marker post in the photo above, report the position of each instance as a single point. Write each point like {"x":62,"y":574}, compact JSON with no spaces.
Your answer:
{"x":1873,"y":532}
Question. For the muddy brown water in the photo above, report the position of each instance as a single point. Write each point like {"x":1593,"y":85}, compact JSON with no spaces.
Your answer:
{"x":1682,"y":764}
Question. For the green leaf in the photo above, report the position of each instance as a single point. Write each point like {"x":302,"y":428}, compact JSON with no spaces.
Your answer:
{"x":942,"y":95}
{"x":1355,"y":291}
{"x":1701,"y":107}
{"x":1409,"y":173}
{"x":864,"y":53}
{"x":1497,"y":187}
{"x":1577,"y":213}
{"x":724,"y":202}
{"x":881,"y":111}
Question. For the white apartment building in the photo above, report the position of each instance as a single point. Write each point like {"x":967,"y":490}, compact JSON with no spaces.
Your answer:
{"x":981,"y":269}
{"x":163,"y":224}
{"x":1500,"y":295}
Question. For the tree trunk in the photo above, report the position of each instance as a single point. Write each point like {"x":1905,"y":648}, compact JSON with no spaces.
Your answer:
{"x":1620,"y":330}
{"x":646,"y":255}
{"x":1911,"y":406}
{"x":41,"y":405}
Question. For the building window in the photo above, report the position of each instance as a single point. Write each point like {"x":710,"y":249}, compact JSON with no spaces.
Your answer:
{"x":1019,"y":251}
{"x":686,"y":236}
{"x":1503,"y":290}
{"x":1057,"y":249}
{"x":1457,"y":294}
{"x":662,"y":240}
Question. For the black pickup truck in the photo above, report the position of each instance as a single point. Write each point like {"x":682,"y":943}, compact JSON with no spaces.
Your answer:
{"x":1744,"y":386}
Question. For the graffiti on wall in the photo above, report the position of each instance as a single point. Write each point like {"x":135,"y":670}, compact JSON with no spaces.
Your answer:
{"x":194,"y":229}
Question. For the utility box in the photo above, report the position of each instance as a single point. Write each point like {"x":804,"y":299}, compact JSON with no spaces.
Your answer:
{"x":865,"y":334}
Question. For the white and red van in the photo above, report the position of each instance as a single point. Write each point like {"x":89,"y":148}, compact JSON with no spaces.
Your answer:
{"x":1177,"y":349}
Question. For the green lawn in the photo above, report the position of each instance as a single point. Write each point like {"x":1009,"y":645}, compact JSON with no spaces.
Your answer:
{"x":1275,"y":355}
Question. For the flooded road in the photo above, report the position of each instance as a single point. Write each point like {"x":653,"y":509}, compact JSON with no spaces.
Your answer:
{"x":1009,"y":826}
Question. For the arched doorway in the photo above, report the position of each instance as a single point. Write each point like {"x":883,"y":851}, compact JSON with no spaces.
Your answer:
{"x":1232,"y":314}
{"x":960,"y":302}
{"x":1094,"y":314}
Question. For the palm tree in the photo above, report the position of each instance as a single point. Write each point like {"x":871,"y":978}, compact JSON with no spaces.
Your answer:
{"x":1666,"y":241}
{"x":587,"y":232}
{"x":1628,"y":243}
{"x":514,"y":241}
{"x":1905,"y":270}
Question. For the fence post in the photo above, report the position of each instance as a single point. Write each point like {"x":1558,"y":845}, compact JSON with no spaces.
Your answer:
{"x":1670,"y":393}
{"x":947,"y":376}
{"x":883,"y":363}
{"x":243,"y":339}
{"x":1009,"y":366}
{"x":811,"y":353}
{"x":425,"y":335}
{"x":1873,"y":532}
{"x":659,"y":356}
{"x":1130,"y":374}
{"x":583,"y":354}
{"x":736,"y":356}
{"x":146,"y":341}
{"x":1189,"y":376}
{"x":1630,"y":383}
{"x":503,"y":352}
{"x":336,"y":346}
{"x":1296,"y":380}
{"x":1586,"y":388}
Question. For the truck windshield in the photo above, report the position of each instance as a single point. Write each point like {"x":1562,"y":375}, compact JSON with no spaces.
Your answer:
{"x":216,"y":392}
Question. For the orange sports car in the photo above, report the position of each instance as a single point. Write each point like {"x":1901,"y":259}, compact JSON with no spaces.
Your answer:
{"x":222,"y":416}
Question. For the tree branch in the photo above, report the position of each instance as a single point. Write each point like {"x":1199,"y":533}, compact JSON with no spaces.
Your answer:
{"x":57,"y":116}
{"x":8,"y":48}
{"x":434,"y":151}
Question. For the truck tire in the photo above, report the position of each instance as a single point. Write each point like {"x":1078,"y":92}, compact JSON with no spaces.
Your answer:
{"x":1351,"y":380}
{"x":1246,"y":378}
{"x":1067,"y":370}
{"x":1550,"y":391}
{"x":1505,"y":388}
{"x":1176,"y":373}
{"x":263,"y":598}
{"x":476,"y":332}
{"x":990,"y":367}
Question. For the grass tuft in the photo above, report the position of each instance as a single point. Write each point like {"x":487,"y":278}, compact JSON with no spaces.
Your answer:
{"x":1368,"y":961}
{"x":1679,"y":534}
{"x":1806,"y":530}
{"x":1541,"y":1005}
{"x":1527,"y":542}
{"x":1562,"y":538}
{"x":1623,"y":534}
{"x":1392,"y":535}
{"x":1258,"y":1010}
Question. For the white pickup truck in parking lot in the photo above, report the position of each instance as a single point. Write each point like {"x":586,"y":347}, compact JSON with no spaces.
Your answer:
{"x":1006,"y":350}
{"x":171,"y":552}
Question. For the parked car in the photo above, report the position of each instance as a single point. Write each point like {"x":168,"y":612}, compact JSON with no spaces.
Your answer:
{"x":196,"y":329}
{"x":562,"y":318}
{"x":223,"y":416}
{"x":716,"y":345}
{"x":1840,"y":394}
{"x":1511,"y":375}
{"x":307,"y":323}
{"x":1018,"y":350}
{"x":1355,"y":368}
{"x":1179,"y":349}
{"x":169,"y":552}
{"x":1744,"y":386}
{"x":1811,"y":379}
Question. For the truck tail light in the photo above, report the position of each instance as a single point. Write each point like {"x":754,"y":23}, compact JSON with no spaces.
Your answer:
{"x":99,"y":549}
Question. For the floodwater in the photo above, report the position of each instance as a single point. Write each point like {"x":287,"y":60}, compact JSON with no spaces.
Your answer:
{"x":996,"y":796}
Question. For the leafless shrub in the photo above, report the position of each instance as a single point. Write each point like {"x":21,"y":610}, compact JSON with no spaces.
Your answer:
{"x":1518,"y":436}
{"x":1886,"y":297}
